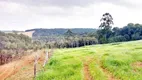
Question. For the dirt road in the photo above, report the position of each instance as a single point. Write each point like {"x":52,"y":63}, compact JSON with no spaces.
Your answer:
{"x":24,"y":66}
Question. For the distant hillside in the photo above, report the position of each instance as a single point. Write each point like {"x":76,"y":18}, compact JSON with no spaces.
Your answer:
{"x":14,"y":41}
{"x":29,"y":33}
{"x":59,"y":31}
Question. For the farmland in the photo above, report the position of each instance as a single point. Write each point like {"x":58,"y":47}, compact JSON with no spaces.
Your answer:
{"x":70,"y":40}
{"x":115,"y":61}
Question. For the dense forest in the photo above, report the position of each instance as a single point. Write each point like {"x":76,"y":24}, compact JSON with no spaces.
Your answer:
{"x":107,"y":34}
{"x":127,"y":33}
{"x":59,"y":31}
{"x":116,"y":34}
{"x":67,"y":40}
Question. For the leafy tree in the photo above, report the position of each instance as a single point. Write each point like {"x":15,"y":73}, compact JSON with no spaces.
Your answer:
{"x":127,"y":33}
{"x":106,"y":21}
{"x":105,"y":28}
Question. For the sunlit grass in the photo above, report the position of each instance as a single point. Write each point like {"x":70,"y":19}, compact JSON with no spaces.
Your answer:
{"x":65,"y":64}
{"x":116,"y":58}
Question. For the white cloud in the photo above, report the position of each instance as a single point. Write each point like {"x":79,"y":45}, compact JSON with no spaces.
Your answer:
{"x":135,"y":3}
{"x":20,"y":16}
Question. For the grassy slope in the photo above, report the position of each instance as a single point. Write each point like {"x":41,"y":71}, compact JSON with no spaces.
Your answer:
{"x":109,"y":61}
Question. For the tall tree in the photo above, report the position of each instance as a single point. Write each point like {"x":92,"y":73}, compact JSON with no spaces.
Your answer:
{"x":106,"y":21}
{"x":105,"y":28}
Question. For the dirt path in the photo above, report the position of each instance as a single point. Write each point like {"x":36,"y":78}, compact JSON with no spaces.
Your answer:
{"x":14,"y":67}
{"x":87,"y":75}
{"x":108,"y":74}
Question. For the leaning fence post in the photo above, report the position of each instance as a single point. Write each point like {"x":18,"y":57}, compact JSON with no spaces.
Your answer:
{"x":35,"y":65}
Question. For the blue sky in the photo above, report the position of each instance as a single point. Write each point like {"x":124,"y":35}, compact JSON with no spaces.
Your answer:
{"x":28,"y":14}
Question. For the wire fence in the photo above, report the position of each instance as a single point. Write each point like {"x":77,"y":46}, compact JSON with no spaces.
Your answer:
{"x":28,"y":65}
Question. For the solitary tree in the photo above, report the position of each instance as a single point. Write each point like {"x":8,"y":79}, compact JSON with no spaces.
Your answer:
{"x":106,"y":21}
{"x":105,"y":28}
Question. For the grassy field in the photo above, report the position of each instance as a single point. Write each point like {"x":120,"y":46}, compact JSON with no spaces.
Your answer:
{"x":115,"y":61}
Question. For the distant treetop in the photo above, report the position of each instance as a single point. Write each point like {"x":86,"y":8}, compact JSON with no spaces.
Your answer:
{"x":69,"y":33}
{"x":106,"y":21}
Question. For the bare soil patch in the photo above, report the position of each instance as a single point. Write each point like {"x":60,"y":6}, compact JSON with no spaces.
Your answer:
{"x":15,"y":69}
{"x":137,"y":64}
{"x":87,"y":75}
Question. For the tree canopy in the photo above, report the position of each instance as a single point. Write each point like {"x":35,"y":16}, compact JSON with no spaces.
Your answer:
{"x":106,"y":21}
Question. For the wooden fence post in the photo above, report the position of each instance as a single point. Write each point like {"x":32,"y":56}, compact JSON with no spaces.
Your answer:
{"x":46,"y":58}
{"x":35,"y":65}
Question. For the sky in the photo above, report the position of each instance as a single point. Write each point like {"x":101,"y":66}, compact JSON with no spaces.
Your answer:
{"x":29,"y":14}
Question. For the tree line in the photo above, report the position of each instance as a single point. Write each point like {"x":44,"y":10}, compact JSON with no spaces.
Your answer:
{"x":67,"y":40}
{"x":107,"y":34}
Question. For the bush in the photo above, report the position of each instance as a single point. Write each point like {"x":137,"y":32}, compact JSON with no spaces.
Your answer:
{"x":117,"y":39}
